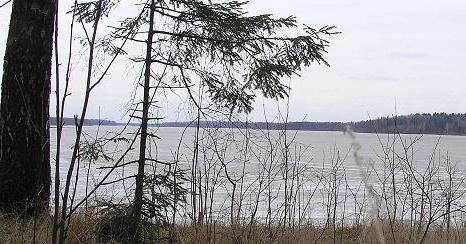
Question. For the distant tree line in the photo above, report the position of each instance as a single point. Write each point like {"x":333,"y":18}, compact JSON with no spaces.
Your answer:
{"x":87,"y":122}
{"x":425,"y":123}
{"x":436,"y":123}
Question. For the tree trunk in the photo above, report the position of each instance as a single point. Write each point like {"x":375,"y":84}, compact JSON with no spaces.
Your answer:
{"x":24,"y":112}
{"x":139,"y":191}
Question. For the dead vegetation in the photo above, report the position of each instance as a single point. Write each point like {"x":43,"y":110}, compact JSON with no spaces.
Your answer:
{"x":84,"y":229}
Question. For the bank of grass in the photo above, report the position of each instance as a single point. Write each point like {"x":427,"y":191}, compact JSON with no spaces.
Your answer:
{"x":88,"y":229}
{"x":314,"y":234}
{"x":38,"y":230}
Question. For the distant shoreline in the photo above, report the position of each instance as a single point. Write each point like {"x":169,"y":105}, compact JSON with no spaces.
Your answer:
{"x":434,"y":124}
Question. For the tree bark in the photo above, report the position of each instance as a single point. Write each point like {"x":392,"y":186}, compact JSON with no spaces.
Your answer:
{"x":24,"y":110}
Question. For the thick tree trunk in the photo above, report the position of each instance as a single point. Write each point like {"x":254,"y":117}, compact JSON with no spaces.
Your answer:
{"x":24,"y":112}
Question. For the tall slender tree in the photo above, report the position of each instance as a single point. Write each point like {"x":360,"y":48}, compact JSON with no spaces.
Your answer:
{"x":219,"y":47}
{"x":24,"y":113}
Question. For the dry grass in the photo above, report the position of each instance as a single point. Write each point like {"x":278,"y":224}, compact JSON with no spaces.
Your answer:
{"x":313,"y":234}
{"x":82,"y":230}
{"x":16,"y":230}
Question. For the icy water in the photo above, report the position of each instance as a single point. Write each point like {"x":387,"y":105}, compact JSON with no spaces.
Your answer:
{"x":311,"y":156}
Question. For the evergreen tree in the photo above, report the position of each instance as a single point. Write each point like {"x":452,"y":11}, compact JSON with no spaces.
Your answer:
{"x":214,"y":45}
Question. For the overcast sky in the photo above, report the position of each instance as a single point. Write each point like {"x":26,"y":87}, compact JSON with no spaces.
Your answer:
{"x":407,"y":56}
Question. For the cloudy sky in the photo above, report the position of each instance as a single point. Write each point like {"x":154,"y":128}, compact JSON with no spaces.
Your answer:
{"x":403,"y":56}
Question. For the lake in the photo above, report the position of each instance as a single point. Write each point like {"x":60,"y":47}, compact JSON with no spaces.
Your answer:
{"x":315,"y":171}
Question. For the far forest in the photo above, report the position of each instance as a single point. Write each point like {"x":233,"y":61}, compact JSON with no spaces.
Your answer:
{"x":436,"y":123}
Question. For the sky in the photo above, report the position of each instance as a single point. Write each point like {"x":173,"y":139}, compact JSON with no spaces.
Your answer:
{"x":392,"y":57}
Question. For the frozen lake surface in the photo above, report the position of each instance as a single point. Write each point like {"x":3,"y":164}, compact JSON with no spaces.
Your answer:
{"x":320,"y":166}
